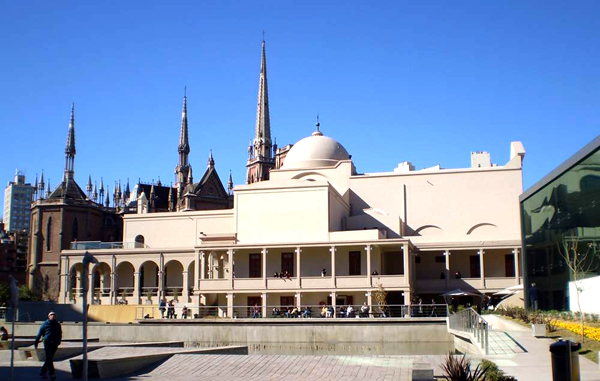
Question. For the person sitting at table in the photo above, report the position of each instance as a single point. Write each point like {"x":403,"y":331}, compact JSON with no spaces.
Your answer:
{"x":364,"y":310}
{"x":330,"y":312}
{"x":324,"y":311}
{"x":350,"y":312}
{"x":307,"y":312}
{"x":276,"y":312}
{"x":342,"y":312}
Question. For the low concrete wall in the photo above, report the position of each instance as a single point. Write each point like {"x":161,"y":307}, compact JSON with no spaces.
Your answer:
{"x":371,"y":331}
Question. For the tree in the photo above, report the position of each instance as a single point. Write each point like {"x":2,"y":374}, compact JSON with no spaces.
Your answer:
{"x":380,"y":296}
{"x":579,"y":262}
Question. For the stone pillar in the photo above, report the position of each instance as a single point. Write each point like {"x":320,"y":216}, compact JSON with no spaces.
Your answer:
{"x":333,"y":295}
{"x":264,"y":253}
{"x":516,"y":257}
{"x":185,"y":291}
{"x":406,"y":258}
{"x":230,"y":305}
{"x":299,"y":302}
{"x":113,"y":281}
{"x":482,"y":266}
{"x":332,"y":251}
{"x":407,"y":303}
{"x":136,"y":287}
{"x":64,"y":280}
{"x":370,"y":303}
{"x":298,"y":251}
{"x":197,"y":272}
{"x":447,"y":255}
{"x":368,"y":249}
{"x":264,"y":304}
{"x":202,"y":271}
{"x":161,"y":277}
{"x":230,"y":253}
{"x":90,"y":294}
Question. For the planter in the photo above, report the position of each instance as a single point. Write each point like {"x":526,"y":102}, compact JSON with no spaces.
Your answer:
{"x":538,"y":330}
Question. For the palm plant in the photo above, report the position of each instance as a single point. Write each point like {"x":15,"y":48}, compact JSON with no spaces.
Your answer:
{"x":459,"y":369}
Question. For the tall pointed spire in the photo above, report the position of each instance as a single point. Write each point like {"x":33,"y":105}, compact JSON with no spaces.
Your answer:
{"x":262,"y":136}
{"x":230,"y":183}
{"x":70,"y":148}
{"x":88,"y":188}
{"x":260,"y":153}
{"x":183,"y":167}
{"x":211,"y":160}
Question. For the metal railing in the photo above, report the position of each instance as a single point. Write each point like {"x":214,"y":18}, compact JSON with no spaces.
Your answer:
{"x":98,"y":245}
{"x":182,"y":311}
{"x":470,"y":322}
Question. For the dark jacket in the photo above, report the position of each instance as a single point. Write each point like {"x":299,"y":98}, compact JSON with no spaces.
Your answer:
{"x":50,"y":332}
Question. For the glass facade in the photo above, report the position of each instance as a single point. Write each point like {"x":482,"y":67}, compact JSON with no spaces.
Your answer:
{"x":564,"y":212}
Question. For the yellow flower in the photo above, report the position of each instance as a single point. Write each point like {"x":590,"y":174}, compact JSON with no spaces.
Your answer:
{"x":589,"y":332}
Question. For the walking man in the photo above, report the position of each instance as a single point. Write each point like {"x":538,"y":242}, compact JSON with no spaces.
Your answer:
{"x":51,"y":333}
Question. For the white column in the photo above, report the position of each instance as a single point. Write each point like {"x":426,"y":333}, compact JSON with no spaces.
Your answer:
{"x":230,"y":305}
{"x":516,"y":258}
{"x":264,"y":253}
{"x":299,"y":302}
{"x":298,"y":251}
{"x":332,"y":251}
{"x":202,"y":265}
{"x":370,"y":303}
{"x":185,"y":292}
{"x":230,"y":253}
{"x":161,"y":277}
{"x":368,"y":249}
{"x":90,"y":294}
{"x":333,"y":295}
{"x":447,"y":269}
{"x":264,"y":305}
{"x":407,"y":269}
{"x":197,"y":271}
{"x":64,"y":281}
{"x":113,"y":281}
{"x":136,"y":287}
{"x":482,"y":266}
{"x":407,"y":303}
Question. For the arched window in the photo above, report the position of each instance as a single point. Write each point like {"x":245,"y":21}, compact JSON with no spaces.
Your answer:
{"x":49,"y":234}
{"x":74,"y":231}
{"x":139,"y":241}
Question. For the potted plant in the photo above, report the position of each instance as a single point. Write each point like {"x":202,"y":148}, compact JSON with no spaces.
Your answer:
{"x":538,"y":325}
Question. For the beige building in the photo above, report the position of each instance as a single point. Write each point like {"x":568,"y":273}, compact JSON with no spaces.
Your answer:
{"x":335,"y":234}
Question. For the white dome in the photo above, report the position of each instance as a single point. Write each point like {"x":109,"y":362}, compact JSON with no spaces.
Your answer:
{"x":315,"y":151}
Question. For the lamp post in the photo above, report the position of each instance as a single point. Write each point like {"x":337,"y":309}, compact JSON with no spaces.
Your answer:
{"x":87,"y":259}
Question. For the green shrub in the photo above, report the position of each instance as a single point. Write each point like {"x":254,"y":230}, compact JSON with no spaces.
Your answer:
{"x":492,"y":372}
{"x":459,"y":369}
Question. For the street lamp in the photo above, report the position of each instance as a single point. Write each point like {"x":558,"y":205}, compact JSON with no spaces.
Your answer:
{"x":87,"y":259}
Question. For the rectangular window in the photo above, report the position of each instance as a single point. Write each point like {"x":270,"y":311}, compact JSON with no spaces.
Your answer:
{"x":354,"y":263}
{"x":509,"y":265}
{"x":255,"y":266}
{"x":475,"y":270}
{"x":287,"y":263}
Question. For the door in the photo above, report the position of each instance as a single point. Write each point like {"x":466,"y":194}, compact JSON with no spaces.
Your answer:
{"x":287,"y":263}
{"x":254,"y":301}
{"x":354,"y":263}
{"x":475,"y":270}
{"x":255,"y":266}
{"x":509,"y":265}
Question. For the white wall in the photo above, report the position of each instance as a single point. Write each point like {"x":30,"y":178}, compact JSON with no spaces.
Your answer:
{"x":588,"y":295}
{"x":289,"y":214}
{"x":451,"y":201}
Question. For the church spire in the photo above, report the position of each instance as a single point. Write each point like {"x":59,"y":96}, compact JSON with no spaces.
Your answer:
{"x":260,"y":152}
{"x":183,"y":167}
{"x":211,"y":160}
{"x":70,"y":148}
{"x":230,"y":184}
{"x":262,"y":136}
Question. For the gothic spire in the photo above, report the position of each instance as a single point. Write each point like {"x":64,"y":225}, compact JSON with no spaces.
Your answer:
{"x":88,"y":188}
{"x":70,"y":147}
{"x":107,"y":202}
{"x":211,"y":161}
{"x":48,"y":192}
{"x":184,"y":144}
{"x":230,"y":183}
{"x":95,"y":194}
{"x":262,"y":138}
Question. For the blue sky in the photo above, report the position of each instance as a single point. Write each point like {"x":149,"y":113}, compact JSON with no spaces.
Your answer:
{"x":426,"y":82}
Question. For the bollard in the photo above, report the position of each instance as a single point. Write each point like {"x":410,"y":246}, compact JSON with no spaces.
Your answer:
{"x":565,"y":360}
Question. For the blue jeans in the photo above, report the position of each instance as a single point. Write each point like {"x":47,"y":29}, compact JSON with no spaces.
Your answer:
{"x":49,"y":350}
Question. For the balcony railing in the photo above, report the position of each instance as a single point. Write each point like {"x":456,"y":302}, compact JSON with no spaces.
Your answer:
{"x":292,"y":312}
{"x":98,"y":245}
{"x":469,"y":322}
